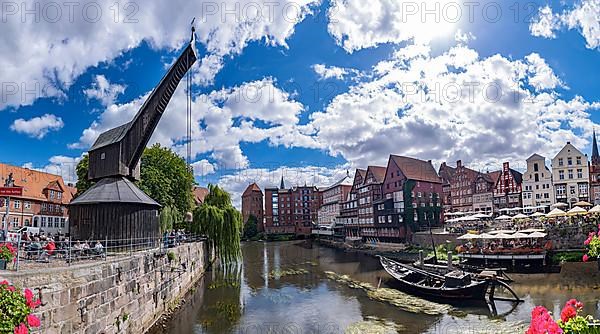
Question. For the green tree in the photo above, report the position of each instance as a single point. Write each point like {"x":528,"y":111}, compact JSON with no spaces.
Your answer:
{"x":167,"y":179}
{"x":83,"y":183}
{"x":217,"y":219}
{"x":251,"y":227}
{"x":169,"y":217}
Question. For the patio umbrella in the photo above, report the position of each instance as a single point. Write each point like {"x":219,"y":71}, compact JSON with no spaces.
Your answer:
{"x":556,"y":213}
{"x":486,"y":236}
{"x":520,"y":216}
{"x":595,"y":209}
{"x":502,"y":236}
{"x":503,"y":217}
{"x":501,"y":231}
{"x":480,"y":216}
{"x":531,"y":230}
{"x":560,"y":205}
{"x":468,"y":236}
{"x":537,"y":214}
{"x":583,"y":203}
{"x":576,"y":211}
{"x":537,"y":235}
{"x":519,"y":235}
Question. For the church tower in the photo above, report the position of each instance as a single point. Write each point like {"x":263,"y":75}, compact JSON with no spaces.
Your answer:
{"x":595,"y":172}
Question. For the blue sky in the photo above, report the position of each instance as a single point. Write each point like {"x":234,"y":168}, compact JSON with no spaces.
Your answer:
{"x":340,"y":86}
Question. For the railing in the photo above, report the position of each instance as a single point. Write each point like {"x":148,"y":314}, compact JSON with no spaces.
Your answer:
{"x":49,"y":253}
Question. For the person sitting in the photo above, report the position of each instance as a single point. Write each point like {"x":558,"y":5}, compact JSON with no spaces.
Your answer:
{"x":48,"y":251}
{"x":33,"y":248}
{"x":98,"y":248}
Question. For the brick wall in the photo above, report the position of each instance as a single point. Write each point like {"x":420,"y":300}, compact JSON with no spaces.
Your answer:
{"x":124,"y":295}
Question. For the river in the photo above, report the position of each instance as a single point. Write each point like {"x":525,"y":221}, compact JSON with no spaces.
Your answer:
{"x":295,"y":287}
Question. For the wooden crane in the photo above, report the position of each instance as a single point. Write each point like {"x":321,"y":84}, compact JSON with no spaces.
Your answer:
{"x":115,"y":208}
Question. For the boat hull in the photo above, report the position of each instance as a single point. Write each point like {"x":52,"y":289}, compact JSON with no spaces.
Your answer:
{"x":476,"y":290}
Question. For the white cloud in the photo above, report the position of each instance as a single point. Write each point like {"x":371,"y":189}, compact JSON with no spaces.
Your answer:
{"x":447,"y":108}
{"x":356,"y":25}
{"x":38,"y":127}
{"x":47,"y":53}
{"x":584,"y":16}
{"x":252,"y":112}
{"x":104,"y":91}
{"x":545,"y":23}
{"x":59,"y":165}
{"x":463,"y":37}
{"x":328,"y":72}
{"x":210,"y":65}
{"x":203,"y":167}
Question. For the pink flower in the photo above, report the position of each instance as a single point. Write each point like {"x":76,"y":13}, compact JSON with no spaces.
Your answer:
{"x":575,"y":303}
{"x":28,"y":295}
{"x":585,"y":258}
{"x":33,"y":321}
{"x":587,"y":241}
{"x":568,"y":313}
{"x":21,"y":329}
{"x":5,"y":282}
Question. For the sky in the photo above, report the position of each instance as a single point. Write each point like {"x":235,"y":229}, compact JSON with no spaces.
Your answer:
{"x":306,"y":89}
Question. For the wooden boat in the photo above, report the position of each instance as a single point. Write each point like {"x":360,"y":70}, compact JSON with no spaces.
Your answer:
{"x":454,"y":285}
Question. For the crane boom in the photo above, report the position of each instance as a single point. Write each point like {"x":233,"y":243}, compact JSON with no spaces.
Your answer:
{"x":117,"y":152}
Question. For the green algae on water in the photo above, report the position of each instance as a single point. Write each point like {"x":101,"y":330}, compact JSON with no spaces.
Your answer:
{"x":374,"y":325}
{"x":393,"y":297}
{"x":278,"y":273}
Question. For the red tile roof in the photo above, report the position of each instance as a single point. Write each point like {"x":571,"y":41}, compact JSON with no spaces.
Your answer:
{"x":378,"y":173}
{"x":415,"y":169}
{"x":34,"y":182}
{"x":252,"y":187}
{"x":199,"y":194}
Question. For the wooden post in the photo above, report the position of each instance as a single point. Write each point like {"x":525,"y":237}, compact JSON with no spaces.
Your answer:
{"x":421,"y":258}
{"x":449,"y":259}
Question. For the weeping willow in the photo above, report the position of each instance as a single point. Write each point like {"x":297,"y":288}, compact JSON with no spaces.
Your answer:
{"x":217,"y":219}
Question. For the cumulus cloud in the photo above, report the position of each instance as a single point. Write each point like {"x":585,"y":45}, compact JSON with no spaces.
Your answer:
{"x":59,"y":165}
{"x":104,"y":91}
{"x":70,"y":38}
{"x":584,"y":17}
{"x":221,"y":120}
{"x":203,"y":167}
{"x":38,"y":127}
{"x":328,"y":72}
{"x":453,"y":106}
{"x":356,"y":26}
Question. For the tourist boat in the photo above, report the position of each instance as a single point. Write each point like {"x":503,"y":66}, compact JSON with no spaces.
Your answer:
{"x":454,"y":285}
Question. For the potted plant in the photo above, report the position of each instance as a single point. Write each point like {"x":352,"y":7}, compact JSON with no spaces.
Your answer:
{"x":7,"y":254}
{"x":592,"y":243}
{"x":16,"y":308}
{"x":572,"y":320}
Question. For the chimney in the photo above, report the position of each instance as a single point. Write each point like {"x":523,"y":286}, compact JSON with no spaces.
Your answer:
{"x":429,"y":161}
{"x":568,"y":142}
{"x":458,"y":163}
{"x":444,"y":164}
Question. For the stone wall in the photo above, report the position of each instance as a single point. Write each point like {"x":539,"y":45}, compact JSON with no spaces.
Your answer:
{"x":121,"y":295}
{"x":423,"y":239}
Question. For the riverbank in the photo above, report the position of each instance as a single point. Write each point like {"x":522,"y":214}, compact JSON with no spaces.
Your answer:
{"x":397,"y":252}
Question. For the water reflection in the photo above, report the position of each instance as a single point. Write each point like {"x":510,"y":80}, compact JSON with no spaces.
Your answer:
{"x":283,"y":288}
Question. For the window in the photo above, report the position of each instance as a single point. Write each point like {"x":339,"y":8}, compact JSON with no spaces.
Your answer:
{"x":51,"y":194}
{"x":570,"y":171}
{"x":537,"y":178}
{"x":58,"y":195}
{"x":569,"y":161}
{"x":579,"y":160}
{"x":561,"y":174}
{"x":27,"y":205}
{"x":56,"y":222}
{"x":560,"y":161}
{"x":43,"y":222}
{"x":583,"y":189}
{"x":17,"y":204}
{"x":580,"y":173}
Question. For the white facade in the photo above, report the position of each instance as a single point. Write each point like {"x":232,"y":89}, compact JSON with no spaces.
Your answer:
{"x":570,"y":175}
{"x":538,"y":189}
{"x":332,"y":198}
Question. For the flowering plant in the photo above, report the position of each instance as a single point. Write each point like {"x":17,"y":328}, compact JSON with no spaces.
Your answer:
{"x":16,"y":308}
{"x":571,"y":321}
{"x":592,"y":243}
{"x":7,"y":252}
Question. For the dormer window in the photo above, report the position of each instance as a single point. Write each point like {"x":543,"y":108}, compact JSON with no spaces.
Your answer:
{"x":51,"y":194}
{"x":102,"y":156}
